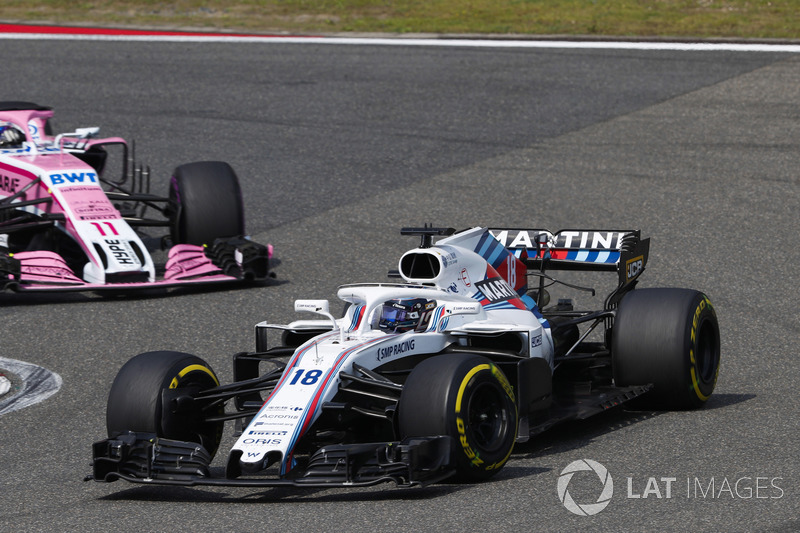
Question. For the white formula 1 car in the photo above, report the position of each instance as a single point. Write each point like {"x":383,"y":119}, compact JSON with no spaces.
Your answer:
{"x":65,"y":225}
{"x":433,"y":377}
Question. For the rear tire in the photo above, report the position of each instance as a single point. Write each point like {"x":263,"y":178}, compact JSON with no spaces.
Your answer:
{"x":670,"y":338}
{"x":207,"y":201}
{"x":469,"y":399}
{"x":135,"y":399}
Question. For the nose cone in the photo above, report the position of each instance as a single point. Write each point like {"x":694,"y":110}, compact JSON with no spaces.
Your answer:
{"x":244,"y":463}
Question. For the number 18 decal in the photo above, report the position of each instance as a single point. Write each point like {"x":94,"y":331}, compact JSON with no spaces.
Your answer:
{"x":310,"y":377}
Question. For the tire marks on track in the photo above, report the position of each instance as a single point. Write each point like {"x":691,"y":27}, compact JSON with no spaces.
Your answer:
{"x":38,"y":384}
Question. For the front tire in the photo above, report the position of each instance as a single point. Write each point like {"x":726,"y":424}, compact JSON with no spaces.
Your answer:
{"x":469,"y":399}
{"x":670,"y":338}
{"x":207,"y":201}
{"x":135,"y":400}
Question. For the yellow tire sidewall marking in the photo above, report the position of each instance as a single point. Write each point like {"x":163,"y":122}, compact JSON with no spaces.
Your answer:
{"x":475,"y":460}
{"x":192,"y":368}
{"x":466,"y":380}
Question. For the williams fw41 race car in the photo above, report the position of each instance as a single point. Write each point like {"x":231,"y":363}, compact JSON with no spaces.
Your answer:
{"x":65,"y":225}
{"x":432,"y":378}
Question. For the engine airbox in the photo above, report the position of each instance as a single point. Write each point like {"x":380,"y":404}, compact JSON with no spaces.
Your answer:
{"x":421,"y":266}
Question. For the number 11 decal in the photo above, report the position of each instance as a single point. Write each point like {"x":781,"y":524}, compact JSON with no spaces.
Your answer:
{"x":100,"y":228}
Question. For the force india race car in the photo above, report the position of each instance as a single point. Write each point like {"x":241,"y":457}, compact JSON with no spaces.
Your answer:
{"x":65,"y":225}
{"x":434,"y":377}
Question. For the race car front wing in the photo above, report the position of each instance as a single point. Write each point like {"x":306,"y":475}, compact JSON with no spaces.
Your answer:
{"x":145,"y":458}
{"x":226,"y":260}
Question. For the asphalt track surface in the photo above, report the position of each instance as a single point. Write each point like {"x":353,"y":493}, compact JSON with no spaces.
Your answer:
{"x":337,"y":148}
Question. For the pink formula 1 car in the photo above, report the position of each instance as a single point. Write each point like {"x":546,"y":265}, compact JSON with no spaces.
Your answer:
{"x":66,"y":225}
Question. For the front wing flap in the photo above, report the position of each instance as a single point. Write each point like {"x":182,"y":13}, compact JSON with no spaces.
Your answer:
{"x":145,"y":458}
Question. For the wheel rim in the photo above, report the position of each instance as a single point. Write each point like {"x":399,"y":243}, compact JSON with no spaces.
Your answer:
{"x":488,"y":419}
{"x":207,"y":433}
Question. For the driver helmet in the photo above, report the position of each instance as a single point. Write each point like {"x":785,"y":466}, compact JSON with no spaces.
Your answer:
{"x":10,"y":136}
{"x":404,"y":314}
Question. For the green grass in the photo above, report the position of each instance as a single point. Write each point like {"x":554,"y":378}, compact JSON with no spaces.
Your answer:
{"x":626,"y":18}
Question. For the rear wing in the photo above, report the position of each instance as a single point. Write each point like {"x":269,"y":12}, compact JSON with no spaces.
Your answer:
{"x":622,"y":251}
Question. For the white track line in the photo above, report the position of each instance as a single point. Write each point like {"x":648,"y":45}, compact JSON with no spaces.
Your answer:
{"x":5,"y":385}
{"x":400,"y":41}
{"x":38,"y":384}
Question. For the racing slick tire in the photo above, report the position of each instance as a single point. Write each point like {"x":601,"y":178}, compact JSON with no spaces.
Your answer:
{"x":468,"y":398}
{"x":207,"y":203}
{"x":670,"y":339}
{"x":135,"y":400}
